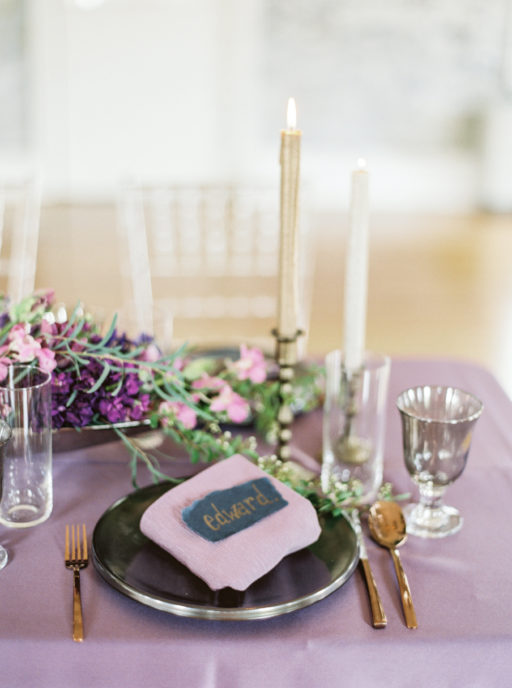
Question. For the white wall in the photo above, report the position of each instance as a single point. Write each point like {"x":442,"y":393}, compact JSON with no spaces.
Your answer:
{"x":123,"y":89}
{"x":195,"y":90}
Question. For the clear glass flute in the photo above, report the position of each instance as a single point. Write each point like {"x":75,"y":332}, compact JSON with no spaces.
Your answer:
{"x":437,"y":426}
{"x":5,"y":436}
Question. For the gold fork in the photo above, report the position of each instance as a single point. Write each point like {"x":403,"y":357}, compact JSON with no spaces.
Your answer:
{"x":76,"y":558}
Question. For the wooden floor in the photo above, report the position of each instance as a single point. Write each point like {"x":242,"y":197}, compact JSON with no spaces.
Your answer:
{"x":439,"y":286}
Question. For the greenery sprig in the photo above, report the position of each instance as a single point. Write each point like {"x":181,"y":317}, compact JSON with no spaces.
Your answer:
{"x":338,"y":498}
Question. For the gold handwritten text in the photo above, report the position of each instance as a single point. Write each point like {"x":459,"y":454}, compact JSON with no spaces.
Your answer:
{"x":221,"y":517}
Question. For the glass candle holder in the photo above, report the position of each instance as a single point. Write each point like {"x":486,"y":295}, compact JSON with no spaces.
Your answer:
{"x":5,"y":436}
{"x":25,"y":404}
{"x":354,"y":422}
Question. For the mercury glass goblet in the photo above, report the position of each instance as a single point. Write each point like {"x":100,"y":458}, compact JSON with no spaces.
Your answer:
{"x":437,"y":426}
{"x":5,"y":436}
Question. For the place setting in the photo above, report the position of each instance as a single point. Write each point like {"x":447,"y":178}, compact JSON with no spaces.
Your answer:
{"x":249,"y":535}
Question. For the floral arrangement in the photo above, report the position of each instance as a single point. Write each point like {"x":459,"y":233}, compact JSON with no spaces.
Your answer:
{"x":109,"y":379}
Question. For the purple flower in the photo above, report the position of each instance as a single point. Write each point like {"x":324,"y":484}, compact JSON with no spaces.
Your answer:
{"x":79,"y":415}
{"x":132,"y":384}
{"x":113,"y":409}
{"x":61,"y":384}
{"x":74,"y":405}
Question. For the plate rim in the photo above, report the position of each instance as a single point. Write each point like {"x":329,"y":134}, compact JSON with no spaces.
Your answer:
{"x":184,"y":609}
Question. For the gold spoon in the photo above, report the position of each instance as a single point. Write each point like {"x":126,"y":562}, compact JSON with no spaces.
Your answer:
{"x":387,"y":527}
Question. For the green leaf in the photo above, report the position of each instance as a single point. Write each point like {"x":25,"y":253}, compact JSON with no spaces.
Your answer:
{"x":21,"y":312}
{"x":107,"y":336}
{"x":76,"y":332}
{"x":119,"y":385}
{"x":101,"y":379}
{"x":72,"y":398}
{"x":138,"y":455}
{"x":67,"y":332}
{"x":199,"y":366}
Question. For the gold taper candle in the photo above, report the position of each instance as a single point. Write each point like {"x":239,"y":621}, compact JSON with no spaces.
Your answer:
{"x":288,"y":310}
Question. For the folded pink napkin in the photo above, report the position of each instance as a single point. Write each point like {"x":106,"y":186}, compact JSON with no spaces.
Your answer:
{"x":231,"y":523}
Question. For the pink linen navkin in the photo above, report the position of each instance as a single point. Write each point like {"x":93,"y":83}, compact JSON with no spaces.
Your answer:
{"x":242,"y":557}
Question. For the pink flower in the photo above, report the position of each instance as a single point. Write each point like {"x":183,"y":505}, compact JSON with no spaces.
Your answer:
{"x":23,"y":344}
{"x":235,"y":406}
{"x":208,"y":382}
{"x":186,"y":415}
{"x":178,"y":363}
{"x":26,"y":349}
{"x":151,"y":354}
{"x":44,"y":297}
{"x":46,"y":360}
{"x":48,"y":327}
{"x":177,"y":366}
{"x":4,"y":365}
{"x":251,"y":365}
{"x":18,"y":330}
{"x":180,"y":411}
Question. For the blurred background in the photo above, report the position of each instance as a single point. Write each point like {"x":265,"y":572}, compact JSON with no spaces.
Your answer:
{"x":95,"y":95}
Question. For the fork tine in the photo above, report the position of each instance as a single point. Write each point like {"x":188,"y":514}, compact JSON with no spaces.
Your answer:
{"x":78,"y":543}
{"x":85,"y":553}
{"x":66,"y":550}
{"x":73,"y":548}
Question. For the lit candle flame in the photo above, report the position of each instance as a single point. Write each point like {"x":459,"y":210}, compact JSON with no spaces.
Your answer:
{"x":291,"y":114}
{"x":361,"y":164}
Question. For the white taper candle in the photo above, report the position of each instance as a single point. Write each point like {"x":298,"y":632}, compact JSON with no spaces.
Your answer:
{"x":356,"y":272}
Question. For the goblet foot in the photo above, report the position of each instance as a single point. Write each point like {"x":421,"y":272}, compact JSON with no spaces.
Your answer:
{"x":432,"y":522}
{"x":3,"y":557}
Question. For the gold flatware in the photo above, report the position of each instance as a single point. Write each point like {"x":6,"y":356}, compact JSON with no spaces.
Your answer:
{"x":387,"y":527}
{"x":378,"y":615}
{"x":76,"y":558}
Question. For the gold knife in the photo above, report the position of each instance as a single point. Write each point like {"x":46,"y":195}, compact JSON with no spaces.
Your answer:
{"x":379,"y":617}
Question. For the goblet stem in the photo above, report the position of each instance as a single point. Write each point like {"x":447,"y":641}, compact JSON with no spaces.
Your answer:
{"x":431,"y":496}
{"x":431,"y":518}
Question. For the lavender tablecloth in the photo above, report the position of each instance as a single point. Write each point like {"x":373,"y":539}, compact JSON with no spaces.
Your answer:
{"x":462,"y":587}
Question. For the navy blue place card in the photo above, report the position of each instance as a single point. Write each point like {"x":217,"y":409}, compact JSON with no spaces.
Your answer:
{"x":222,"y":513}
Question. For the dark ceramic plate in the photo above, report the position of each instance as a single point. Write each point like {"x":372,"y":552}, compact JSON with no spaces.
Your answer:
{"x":140,"y":569}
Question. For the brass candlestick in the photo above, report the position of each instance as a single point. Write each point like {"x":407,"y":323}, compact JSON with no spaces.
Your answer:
{"x":286,"y":358}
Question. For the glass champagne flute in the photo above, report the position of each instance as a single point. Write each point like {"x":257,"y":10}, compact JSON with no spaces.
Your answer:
{"x":5,"y":436}
{"x":437,"y":426}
